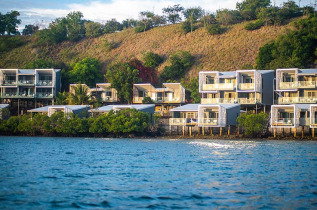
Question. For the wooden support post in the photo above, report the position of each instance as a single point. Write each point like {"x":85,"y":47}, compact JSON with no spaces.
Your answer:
{"x":264,"y":108}
{"x":177,"y":130}
{"x":302,"y":132}
{"x":294,"y":129}
{"x":283,"y":132}
{"x":238,"y":131}
{"x":203,"y":130}
{"x":170,"y":130}
{"x":229,"y":130}
{"x":199,"y":130}
{"x":190,"y":130}
{"x":274,"y":131}
{"x":183,"y":130}
{"x":220,"y":131}
{"x":211,"y":132}
{"x":313,"y":133}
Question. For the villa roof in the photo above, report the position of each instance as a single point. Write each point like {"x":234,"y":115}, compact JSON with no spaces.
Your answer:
{"x":186,"y":108}
{"x":122,"y":106}
{"x":2,"y":106}
{"x":307,"y":71}
{"x":72,"y":107}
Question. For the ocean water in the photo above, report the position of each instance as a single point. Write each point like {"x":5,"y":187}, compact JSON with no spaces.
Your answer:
{"x":49,"y":173}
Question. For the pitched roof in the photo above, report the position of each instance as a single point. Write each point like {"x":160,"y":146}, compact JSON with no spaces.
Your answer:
{"x":72,"y":107}
{"x":186,"y":108}
{"x":123,"y":106}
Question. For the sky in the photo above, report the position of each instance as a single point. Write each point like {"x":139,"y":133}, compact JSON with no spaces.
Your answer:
{"x":42,"y":12}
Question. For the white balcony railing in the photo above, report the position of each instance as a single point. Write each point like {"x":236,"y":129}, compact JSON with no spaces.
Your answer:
{"x":26,"y":82}
{"x":177,"y":121}
{"x":9,"y":82}
{"x":282,"y":122}
{"x":218,"y":86}
{"x":290,"y":100}
{"x":313,"y":121}
{"x":298,"y":84}
{"x":208,"y":121}
{"x":45,"y":83}
{"x":249,"y":100}
{"x":246,"y":86}
{"x":44,"y":95}
{"x":218,"y":100}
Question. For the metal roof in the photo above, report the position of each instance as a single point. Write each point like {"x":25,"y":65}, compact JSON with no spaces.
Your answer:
{"x":26,"y":71}
{"x":72,"y":107}
{"x":227,"y":106}
{"x":122,"y":106}
{"x":186,"y":108}
{"x":227,"y":74}
{"x":2,"y":106}
{"x":265,"y":71}
{"x":307,"y":71}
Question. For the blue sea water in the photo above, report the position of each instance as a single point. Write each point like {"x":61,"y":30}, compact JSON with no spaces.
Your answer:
{"x":49,"y":173}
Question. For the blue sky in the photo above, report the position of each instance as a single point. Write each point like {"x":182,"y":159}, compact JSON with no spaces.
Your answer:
{"x":42,"y":12}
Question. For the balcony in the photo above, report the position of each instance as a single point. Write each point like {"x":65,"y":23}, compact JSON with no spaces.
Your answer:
{"x":246,"y":86}
{"x":138,"y":100}
{"x":9,"y":82}
{"x":218,"y":86}
{"x":107,"y":99}
{"x":298,"y":84}
{"x":13,"y":95}
{"x":44,"y":95}
{"x":313,"y":122}
{"x":282,"y":122}
{"x":218,"y":100}
{"x":182,"y":121}
{"x":208,"y":121}
{"x":249,"y":100}
{"x":45,"y":83}
{"x":171,"y":100}
{"x":296,"y":100}
{"x":26,"y":82}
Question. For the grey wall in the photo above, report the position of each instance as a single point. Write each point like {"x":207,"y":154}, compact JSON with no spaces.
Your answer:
{"x":267,"y":88}
{"x":232,"y":114}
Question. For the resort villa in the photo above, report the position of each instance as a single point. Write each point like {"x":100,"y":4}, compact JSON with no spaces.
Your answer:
{"x":148,"y":108}
{"x":102,"y":91}
{"x":171,"y":95}
{"x":252,"y":89}
{"x":29,"y":88}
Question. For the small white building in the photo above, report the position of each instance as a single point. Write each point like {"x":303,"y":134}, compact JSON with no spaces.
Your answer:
{"x":80,"y":110}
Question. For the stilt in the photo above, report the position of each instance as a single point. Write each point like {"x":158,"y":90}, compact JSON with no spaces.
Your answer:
{"x":198,"y":130}
{"x":238,"y":131}
{"x":170,"y":130}
{"x":283,"y":132}
{"x":220,"y":131}
{"x":211,"y":132}
{"x":190,"y":130}
{"x":274,"y":131}
{"x":177,"y":130}
{"x":183,"y":130}
{"x":264,"y":108}
{"x":229,"y":130}
{"x":203,"y":130}
{"x":294,"y":129}
{"x":313,"y":133}
{"x":302,"y":132}
{"x":256,"y":108}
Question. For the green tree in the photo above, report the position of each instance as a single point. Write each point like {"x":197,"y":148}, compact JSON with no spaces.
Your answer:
{"x":62,"y":98}
{"x":250,"y":8}
{"x":75,"y":26}
{"x":112,"y":26}
{"x":192,"y":15}
{"x":79,"y":96}
{"x":145,"y":20}
{"x":254,"y":25}
{"x":173,"y":13}
{"x":181,"y":61}
{"x":254,"y":124}
{"x":215,"y":29}
{"x":30,"y":30}
{"x":228,"y":17}
{"x":152,"y":60}
{"x":129,"y":23}
{"x":193,"y":87}
{"x":86,"y":71}
{"x":9,"y":23}
{"x":208,"y":19}
{"x":122,"y":77}
{"x":147,"y":100}
{"x":92,"y":29}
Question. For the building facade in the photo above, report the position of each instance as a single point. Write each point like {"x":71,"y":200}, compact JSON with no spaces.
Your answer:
{"x":29,"y":88}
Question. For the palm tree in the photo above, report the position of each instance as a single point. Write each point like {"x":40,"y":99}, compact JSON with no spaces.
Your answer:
{"x":79,"y":95}
{"x":62,"y":98}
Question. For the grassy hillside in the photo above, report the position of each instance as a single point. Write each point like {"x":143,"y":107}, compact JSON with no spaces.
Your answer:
{"x":229,"y":51}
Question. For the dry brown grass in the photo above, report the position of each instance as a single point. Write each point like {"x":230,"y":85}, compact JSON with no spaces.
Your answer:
{"x":228,"y":51}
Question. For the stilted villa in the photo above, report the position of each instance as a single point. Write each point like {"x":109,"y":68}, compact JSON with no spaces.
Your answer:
{"x":80,"y":110}
{"x":296,"y":86}
{"x":171,"y":95}
{"x":149,"y":108}
{"x":102,"y":91}
{"x":245,"y":87}
{"x":29,"y":88}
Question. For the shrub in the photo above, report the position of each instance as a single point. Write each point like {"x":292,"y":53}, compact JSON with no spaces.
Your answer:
{"x":147,"y":100}
{"x":253,"y":124}
{"x":152,"y":60}
{"x":186,"y":26}
{"x":214,"y":29}
{"x":8,"y":43}
{"x":254,"y":25}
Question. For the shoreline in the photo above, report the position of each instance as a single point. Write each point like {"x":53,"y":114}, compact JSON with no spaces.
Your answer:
{"x":178,"y":137}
